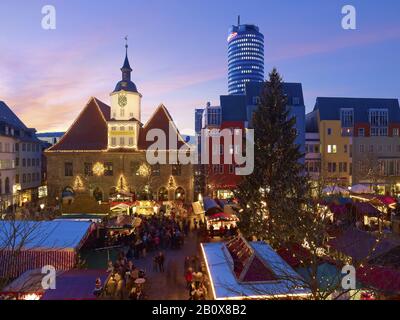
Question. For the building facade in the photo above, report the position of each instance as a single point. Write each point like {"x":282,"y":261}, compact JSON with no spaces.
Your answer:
{"x":104,"y":151}
{"x":20,"y":161}
{"x":50,"y":137}
{"x":245,"y":57}
{"x":235,"y":114}
{"x":359,"y":141}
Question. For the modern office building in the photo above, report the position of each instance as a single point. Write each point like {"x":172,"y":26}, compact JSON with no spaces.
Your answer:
{"x":245,"y":57}
{"x":359,"y":141}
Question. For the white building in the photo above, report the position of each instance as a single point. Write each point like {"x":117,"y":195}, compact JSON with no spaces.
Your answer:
{"x":20,"y":160}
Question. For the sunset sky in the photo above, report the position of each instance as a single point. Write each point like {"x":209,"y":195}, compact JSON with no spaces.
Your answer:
{"x":178,"y":52}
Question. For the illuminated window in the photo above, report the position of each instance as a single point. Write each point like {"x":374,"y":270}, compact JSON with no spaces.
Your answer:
{"x":332,"y":148}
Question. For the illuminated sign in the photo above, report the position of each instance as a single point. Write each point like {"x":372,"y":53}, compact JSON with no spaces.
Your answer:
{"x":232,"y":36}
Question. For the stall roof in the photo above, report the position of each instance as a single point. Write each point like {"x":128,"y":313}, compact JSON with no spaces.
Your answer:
{"x":57,"y":234}
{"x":360,"y":245}
{"x":226,"y":285}
{"x":75,"y":285}
{"x":383,"y":279}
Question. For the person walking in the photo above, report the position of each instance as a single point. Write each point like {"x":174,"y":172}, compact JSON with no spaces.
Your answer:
{"x":160,"y":261}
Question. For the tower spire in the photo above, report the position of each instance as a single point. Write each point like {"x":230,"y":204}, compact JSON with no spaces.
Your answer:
{"x":126,"y":68}
{"x":239,"y":20}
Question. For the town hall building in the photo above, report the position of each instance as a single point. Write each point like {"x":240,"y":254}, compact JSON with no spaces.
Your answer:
{"x":103,"y":153}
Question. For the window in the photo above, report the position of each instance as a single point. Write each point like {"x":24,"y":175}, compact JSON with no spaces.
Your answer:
{"x":130,"y":142}
{"x":17,"y":162}
{"x":122,"y":141}
{"x":329,"y":131}
{"x":68,"y":169}
{"x":395,"y":132}
{"x":176,"y":169}
{"x":342,"y":166}
{"x":361,"y":148}
{"x":331,"y":167}
{"x":17,"y":147}
{"x":24,"y":178}
{"x":108,"y":169}
{"x":17,"y":178}
{"x":29,"y":147}
{"x":347,"y":118}
{"x":332,"y":148}
{"x":113,"y":141}
{"x":256,"y":100}
{"x":231,"y":169}
{"x":24,"y":162}
{"x":361,"y":132}
{"x":88,"y":169}
{"x":345,"y":148}
{"x":379,"y":119}
{"x":122,"y":112}
{"x":296,"y":101}
{"x":113,"y":128}
{"x":156,"y":170}
{"x":371,"y":148}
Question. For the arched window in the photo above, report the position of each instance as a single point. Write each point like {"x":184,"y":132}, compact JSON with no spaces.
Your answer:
{"x":163,"y":194}
{"x":180,"y":194}
{"x":7,"y":186}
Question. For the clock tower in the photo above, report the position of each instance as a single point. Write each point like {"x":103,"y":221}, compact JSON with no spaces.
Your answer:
{"x":123,"y":128}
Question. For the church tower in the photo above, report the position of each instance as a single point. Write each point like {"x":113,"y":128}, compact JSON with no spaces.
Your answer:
{"x":123,"y":128}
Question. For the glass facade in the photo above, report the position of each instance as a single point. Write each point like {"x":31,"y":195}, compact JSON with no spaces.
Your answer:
{"x":245,"y":57}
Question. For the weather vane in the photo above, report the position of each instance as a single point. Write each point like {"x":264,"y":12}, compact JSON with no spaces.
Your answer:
{"x":126,"y":44}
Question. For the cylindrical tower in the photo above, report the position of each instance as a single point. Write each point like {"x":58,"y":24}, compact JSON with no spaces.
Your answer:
{"x":245,"y":57}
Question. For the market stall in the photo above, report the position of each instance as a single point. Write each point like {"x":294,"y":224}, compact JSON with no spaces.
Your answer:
{"x":55,"y":243}
{"x":70,"y":285}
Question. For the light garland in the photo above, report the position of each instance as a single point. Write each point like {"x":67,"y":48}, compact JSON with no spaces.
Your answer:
{"x":144,"y":170}
{"x":98,"y":169}
{"x":78,"y":184}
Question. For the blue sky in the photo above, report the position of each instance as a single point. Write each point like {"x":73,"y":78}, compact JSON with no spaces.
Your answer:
{"x":178,"y":51}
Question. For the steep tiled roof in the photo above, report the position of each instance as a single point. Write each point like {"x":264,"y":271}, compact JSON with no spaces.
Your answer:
{"x":89,"y":130}
{"x":160,"y":119}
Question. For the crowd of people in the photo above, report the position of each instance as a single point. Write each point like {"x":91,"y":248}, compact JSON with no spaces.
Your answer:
{"x":196,"y":280}
{"x":126,"y":280}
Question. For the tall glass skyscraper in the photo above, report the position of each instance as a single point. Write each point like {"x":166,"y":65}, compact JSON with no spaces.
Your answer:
{"x":245,"y":57}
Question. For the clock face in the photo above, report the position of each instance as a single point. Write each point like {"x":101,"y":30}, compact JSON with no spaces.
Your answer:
{"x":122,"y":100}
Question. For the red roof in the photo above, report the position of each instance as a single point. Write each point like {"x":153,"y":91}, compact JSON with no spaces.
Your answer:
{"x":294,"y":255}
{"x":247,"y":266}
{"x":161,"y":119}
{"x":384,"y":279}
{"x":89,"y":131}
